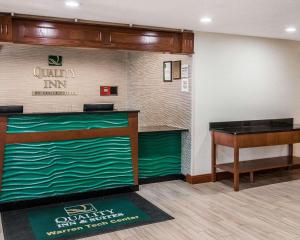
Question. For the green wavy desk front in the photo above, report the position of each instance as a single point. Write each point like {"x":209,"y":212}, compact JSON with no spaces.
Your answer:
{"x":159,"y":154}
{"x":51,"y":155}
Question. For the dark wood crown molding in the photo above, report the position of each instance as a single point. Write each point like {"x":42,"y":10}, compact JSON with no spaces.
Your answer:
{"x":28,"y":29}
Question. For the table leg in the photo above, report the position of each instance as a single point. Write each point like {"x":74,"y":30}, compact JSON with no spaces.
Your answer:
{"x":252,"y":177}
{"x":291,"y":153}
{"x":213,"y":159}
{"x":236,"y":170}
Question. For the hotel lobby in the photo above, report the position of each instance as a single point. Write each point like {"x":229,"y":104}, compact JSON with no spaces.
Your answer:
{"x":149,"y":120}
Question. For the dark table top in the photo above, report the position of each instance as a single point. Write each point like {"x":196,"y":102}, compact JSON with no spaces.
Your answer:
{"x":255,"y":126}
{"x":257,"y":129}
{"x":69,"y":113}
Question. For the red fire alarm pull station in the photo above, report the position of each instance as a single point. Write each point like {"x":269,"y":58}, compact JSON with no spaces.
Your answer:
{"x":108,"y":90}
{"x":104,"y":90}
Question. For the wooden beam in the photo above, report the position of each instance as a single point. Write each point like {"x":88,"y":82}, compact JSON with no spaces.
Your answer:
{"x":213,"y":158}
{"x":236,"y":169}
{"x":268,"y":139}
{"x":3,"y":127}
{"x":223,"y":139}
{"x":65,"y":135}
{"x":133,"y":126}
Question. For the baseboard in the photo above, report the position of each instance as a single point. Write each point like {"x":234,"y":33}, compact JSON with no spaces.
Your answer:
{"x":161,"y":178}
{"x":205,"y":178}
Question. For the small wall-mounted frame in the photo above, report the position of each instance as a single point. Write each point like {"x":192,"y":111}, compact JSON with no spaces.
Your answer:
{"x":176,"y":70}
{"x":167,"y":71}
{"x":108,"y":91}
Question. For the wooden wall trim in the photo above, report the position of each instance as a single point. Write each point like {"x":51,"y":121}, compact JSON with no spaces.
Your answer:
{"x":205,"y":178}
{"x":65,"y":135}
{"x":133,"y":129}
{"x":3,"y":127}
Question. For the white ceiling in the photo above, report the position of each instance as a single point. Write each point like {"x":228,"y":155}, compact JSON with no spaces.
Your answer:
{"x":266,"y":18}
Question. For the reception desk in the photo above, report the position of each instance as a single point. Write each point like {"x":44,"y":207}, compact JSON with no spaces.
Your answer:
{"x":44,"y":156}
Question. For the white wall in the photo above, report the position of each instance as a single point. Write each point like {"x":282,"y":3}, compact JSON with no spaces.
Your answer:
{"x":241,"y":78}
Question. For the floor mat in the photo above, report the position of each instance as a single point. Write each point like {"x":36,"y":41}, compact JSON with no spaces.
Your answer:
{"x":84,"y":218}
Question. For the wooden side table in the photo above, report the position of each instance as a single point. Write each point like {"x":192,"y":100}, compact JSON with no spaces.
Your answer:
{"x":243,"y":139}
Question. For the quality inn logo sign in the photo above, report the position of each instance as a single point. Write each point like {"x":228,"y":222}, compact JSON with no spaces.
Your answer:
{"x":54,"y":78}
{"x":86,"y":217}
{"x":80,"y":209}
{"x":55,"y":60}
{"x":84,"y":214}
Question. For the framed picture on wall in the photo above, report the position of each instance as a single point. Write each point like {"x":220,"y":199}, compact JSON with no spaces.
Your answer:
{"x":176,"y":70}
{"x":167,"y":71}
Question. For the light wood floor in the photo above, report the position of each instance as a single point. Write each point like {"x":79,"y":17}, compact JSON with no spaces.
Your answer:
{"x":268,"y":209}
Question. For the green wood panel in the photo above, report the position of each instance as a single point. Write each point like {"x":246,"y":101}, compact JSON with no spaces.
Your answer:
{"x":45,"y":123}
{"x":36,"y":170}
{"x":159,"y":154}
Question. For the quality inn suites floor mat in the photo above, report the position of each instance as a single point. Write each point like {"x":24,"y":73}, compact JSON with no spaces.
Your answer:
{"x":84,"y":218}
